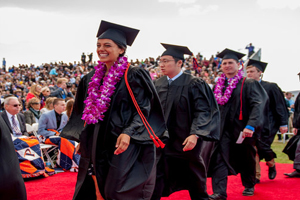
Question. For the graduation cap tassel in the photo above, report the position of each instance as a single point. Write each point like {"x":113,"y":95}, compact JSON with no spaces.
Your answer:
{"x":154,"y":141}
{"x":241,"y":99}
{"x":241,"y":115}
{"x":162,"y":145}
{"x":195,"y":63}
{"x":157,"y":143}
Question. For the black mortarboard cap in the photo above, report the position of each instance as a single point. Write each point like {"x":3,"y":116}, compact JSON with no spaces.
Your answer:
{"x":121,"y":35}
{"x":175,"y":51}
{"x":260,"y":65}
{"x":230,"y":54}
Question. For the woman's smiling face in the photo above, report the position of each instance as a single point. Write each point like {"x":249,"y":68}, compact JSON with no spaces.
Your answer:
{"x":108,"y":51}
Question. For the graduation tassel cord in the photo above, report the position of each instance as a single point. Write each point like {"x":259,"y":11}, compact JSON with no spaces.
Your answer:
{"x":155,"y":139}
{"x":195,"y":63}
{"x":241,"y":99}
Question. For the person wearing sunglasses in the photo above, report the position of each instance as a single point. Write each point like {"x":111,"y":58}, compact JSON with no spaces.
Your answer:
{"x":32,"y":115}
{"x":13,"y":118}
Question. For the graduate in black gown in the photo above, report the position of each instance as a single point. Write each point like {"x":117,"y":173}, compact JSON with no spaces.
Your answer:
{"x":118,"y":157}
{"x":293,"y":146}
{"x":242,"y":105}
{"x":277,"y":118}
{"x":193,"y":119}
{"x":12,"y":185}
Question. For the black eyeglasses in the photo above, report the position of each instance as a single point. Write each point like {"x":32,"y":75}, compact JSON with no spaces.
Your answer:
{"x":165,"y":61}
{"x":35,"y":103}
{"x":16,"y":105}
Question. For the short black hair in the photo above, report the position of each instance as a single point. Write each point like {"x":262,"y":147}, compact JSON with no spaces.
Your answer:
{"x":178,"y":59}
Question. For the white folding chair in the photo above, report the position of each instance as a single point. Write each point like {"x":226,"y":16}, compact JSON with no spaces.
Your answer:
{"x":46,"y":148}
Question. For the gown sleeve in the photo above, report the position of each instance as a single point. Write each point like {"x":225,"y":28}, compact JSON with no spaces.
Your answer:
{"x":75,"y":124}
{"x":147,"y":99}
{"x":206,"y":116}
{"x":281,"y":112}
{"x":257,"y":99}
{"x":296,"y":120}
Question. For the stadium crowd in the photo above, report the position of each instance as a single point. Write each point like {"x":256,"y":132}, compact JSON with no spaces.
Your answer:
{"x":19,"y":80}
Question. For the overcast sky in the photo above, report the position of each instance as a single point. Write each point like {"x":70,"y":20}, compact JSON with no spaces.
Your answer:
{"x":36,"y":31}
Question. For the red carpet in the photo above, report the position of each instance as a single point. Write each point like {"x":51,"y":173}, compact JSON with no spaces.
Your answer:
{"x":61,"y":187}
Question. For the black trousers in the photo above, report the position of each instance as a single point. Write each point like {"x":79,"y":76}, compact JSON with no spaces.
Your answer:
{"x":242,"y":160}
{"x":180,"y":174}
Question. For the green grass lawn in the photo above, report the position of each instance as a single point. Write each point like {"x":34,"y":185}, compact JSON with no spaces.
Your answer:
{"x":277,"y":148}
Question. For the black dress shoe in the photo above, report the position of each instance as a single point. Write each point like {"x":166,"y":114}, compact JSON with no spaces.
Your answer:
{"x":293,"y":174}
{"x":248,"y":192}
{"x":257,"y":181}
{"x":217,"y":197}
{"x":272,"y":172}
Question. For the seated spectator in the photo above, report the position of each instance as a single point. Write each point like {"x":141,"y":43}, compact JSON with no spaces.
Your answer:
{"x":53,"y":119}
{"x":32,"y":115}
{"x":18,"y":93}
{"x":13,"y":118}
{"x":45,"y":92}
{"x":34,"y":91}
{"x":48,"y":105}
{"x":50,"y":125}
{"x":15,"y":122}
{"x":61,"y":90}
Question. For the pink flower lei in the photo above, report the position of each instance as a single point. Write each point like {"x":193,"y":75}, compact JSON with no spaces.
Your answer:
{"x":232,"y":82}
{"x":98,"y":100}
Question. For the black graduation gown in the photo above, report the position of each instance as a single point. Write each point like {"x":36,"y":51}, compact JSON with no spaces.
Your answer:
{"x":239,"y":157}
{"x":130,"y":175}
{"x":296,"y":119}
{"x":11,"y":182}
{"x":277,"y":116}
{"x":278,"y":113}
{"x":291,"y":146}
{"x":190,"y":108}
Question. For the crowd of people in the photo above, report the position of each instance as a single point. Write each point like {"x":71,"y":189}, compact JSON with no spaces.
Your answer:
{"x":206,"y":105}
{"x":27,"y":81}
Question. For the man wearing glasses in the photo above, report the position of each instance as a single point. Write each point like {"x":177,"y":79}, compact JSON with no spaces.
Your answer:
{"x":193,"y":120}
{"x":12,"y":116}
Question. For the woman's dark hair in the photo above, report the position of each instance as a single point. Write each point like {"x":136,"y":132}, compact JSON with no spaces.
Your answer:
{"x":122,"y":47}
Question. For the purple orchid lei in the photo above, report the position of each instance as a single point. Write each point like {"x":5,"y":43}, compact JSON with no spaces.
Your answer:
{"x":98,"y":100}
{"x":232,"y":82}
